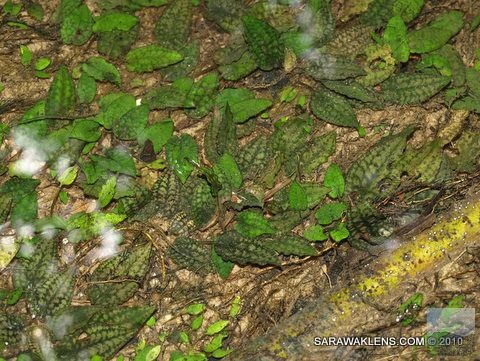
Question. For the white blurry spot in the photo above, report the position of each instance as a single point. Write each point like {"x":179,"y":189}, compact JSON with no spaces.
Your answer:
{"x":61,"y":165}
{"x":33,"y":156}
{"x":60,"y":325}
{"x":390,"y":244}
{"x":138,"y":102}
{"x":110,"y":239}
{"x":43,"y":343}
{"x":25,"y":230}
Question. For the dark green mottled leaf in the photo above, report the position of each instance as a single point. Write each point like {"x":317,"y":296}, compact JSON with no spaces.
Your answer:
{"x":263,"y":42}
{"x":436,"y":33}
{"x":100,"y":69}
{"x":333,"y":109}
{"x":173,"y":28}
{"x":61,"y":96}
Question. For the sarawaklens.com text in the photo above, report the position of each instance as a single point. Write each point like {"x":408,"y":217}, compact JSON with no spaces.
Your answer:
{"x":369,"y":341}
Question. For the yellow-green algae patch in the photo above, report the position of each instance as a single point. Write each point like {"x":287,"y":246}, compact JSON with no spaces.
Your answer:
{"x":413,"y":257}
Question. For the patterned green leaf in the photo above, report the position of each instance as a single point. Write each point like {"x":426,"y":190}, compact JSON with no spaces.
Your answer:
{"x":291,"y":246}
{"x":378,"y":13}
{"x":105,"y":333}
{"x":317,"y":153}
{"x":424,"y":163}
{"x":173,"y":28}
{"x":77,"y":26}
{"x":151,"y":57}
{"x":332,"y":67}
{"x":202,"y":95}
{"x":351,"y":40}
{"x":174,"y":96}
{"x":412,"y":88}
{"x":11,"y":329}
{"x":240,"y":68}
{"x":158,"y":133}
{"x":181,"y":153}
{"x":227,"y":173}
{"x":253,"y":157}
{"x":191,"y":254}
{"x":223,"y":268}
{"x":263,"y":42}
{"x":368,"y":172}
{"x":114,"y":21}
{"x":116,"y":43}
{"x":407,"y":9}
{"x":330,"y":212}
{"x":117,"y":279}
{"x":23,"y":198}
{"x":131,"y":124}
{"x":334,"y":180}
{"x":225,"y":13}
{"x":100,"y":69}
{"x":351,"y":89}
{"x":86,"y":89}
{"x":297,"y":197}
{"x":318,"y":21}
{"x":113,"y":106}
{"x":190,"y":55}
{"x":52,"y":293}
{"x":231,"y":246}
{"x":339,"y":233}
{"x":333,"y":109}
{"x":61,"y":96}
{"x":436,"y":33}
{"x":220,"y":136}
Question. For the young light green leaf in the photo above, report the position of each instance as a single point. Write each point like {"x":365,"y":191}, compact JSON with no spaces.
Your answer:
{"x":407,"y":9}
{"x":340,"y":232}
{"x":215,"y":343}
{"x":330,"y":212}
{"x":25,"y":55}
{"x":297,"y":197}
{"x":315,"y":233}
{"x":195,"y":309}
{"x":236,"y":307}
{"x":114,"y":21}
{"x":217,"y":327}
{"x":244,"y":110}
{"x":334,"y":180}
{"x":42,"y":63}
{"x":68,"y":176}
{"x":107,"y":191}
{"x":151,"y":57}
{"x":252,"y":224}
{"x":223,"y":268}
{"x":101,"y":70}
{"x":181,"y":153}
{"x":395,"y":35}
{"x":196,"y":323}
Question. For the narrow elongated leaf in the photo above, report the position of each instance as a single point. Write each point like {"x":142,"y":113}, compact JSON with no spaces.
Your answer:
{"x":151,"y":57}
{"x":61,"y":96}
